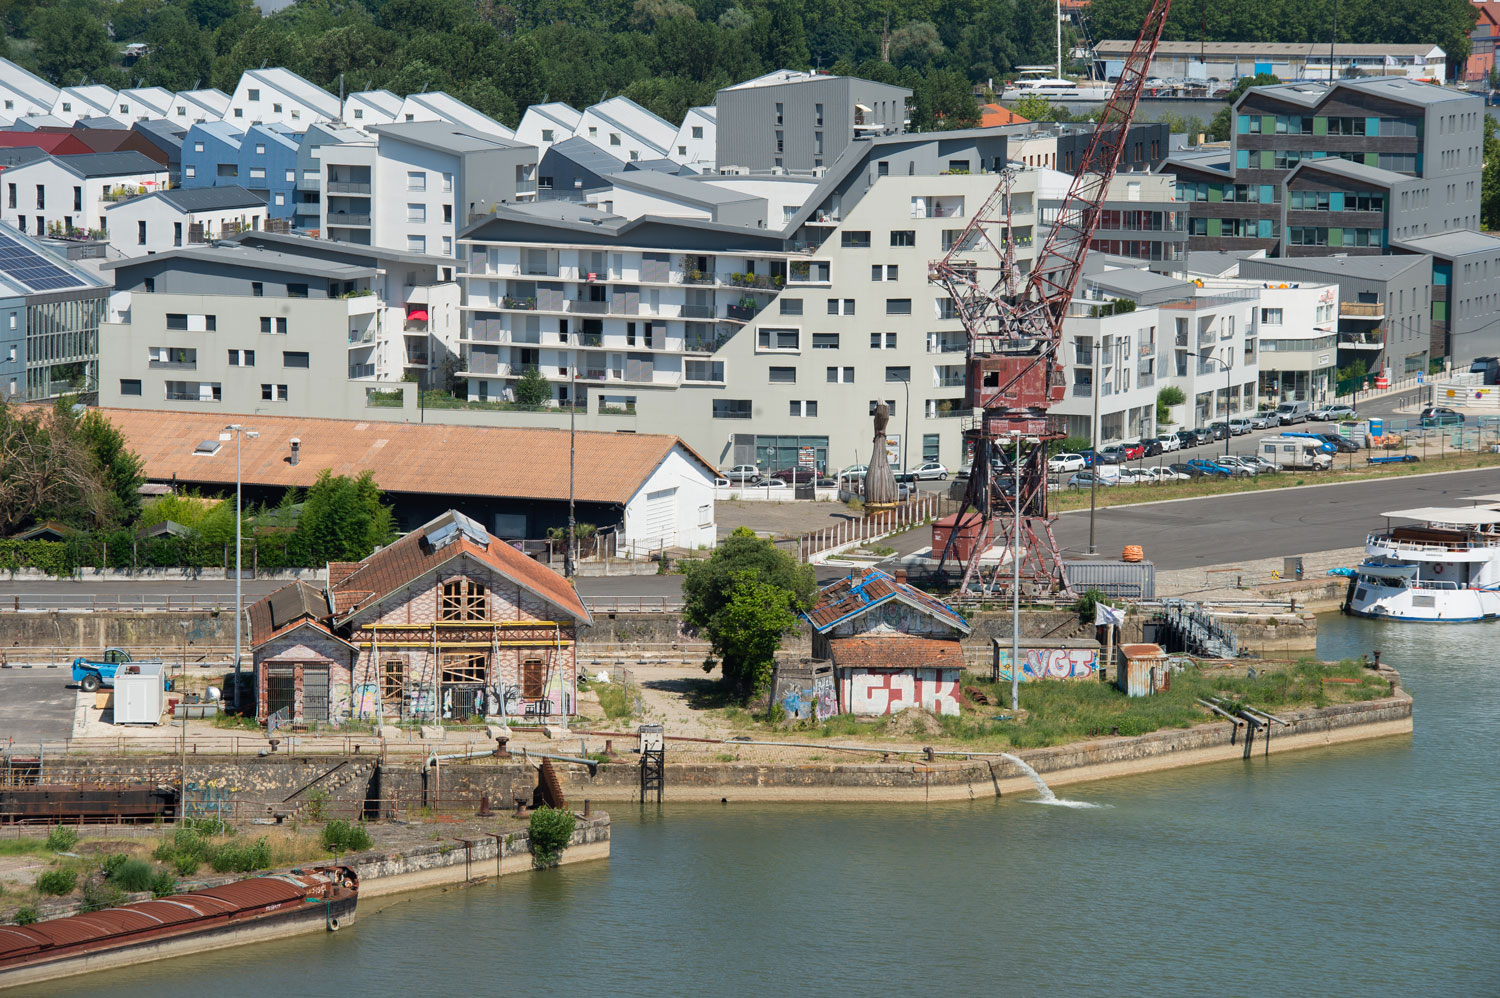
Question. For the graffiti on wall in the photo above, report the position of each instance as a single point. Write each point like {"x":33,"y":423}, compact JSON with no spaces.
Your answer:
{"x":801,"y":702}
{"x":1053,"y":663}
{"x":366,"y":700}
{"x":887,"y":692}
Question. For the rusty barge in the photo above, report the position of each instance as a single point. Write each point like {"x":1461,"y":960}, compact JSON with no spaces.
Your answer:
{"x":247,"y":911}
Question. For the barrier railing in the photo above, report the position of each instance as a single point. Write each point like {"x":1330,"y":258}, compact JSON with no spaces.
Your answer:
{"x":857,"y":530}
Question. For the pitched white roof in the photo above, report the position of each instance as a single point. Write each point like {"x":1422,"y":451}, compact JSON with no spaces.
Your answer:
{"x":454,"y":111}
{"x":26,"y":83}
{"x":299,"y":89}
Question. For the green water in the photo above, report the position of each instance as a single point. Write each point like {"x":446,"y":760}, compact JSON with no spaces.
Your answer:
{"x":1369,"y":869}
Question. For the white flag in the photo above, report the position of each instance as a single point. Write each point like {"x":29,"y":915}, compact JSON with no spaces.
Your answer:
{"x":1104,"y":614}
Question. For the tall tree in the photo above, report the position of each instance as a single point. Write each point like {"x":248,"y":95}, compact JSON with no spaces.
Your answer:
{"x":72,"y":44}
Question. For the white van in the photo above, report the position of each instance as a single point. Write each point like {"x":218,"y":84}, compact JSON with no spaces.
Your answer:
{"x":1295,"y":452}
{"x":1293,"y":412}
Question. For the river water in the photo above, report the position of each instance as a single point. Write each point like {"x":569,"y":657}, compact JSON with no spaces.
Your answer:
{"x":1369,"y":869}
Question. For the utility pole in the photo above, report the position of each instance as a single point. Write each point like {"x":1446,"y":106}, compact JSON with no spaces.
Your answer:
{"x":1094,"y":465}
{"x":568,"y":558}
{"x":240,"y":432}
{"x":1015,"y":586}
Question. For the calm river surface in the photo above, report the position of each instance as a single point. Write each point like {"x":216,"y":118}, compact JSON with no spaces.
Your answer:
{"x":1360,"y":870}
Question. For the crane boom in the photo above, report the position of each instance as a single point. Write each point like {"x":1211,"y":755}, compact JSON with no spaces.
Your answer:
{"x":1015,"y":329}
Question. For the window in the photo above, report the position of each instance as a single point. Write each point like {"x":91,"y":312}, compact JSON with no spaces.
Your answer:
{"x":291,"y":176}
{"x":296,"y":290}
{"x":130,"y":386}
{"x":780,"y":339}
{"x":462,"y":599}
{"x":697,"y":131}
{"x":252,"y":94}
{"x":883,"y":272}
{"x":841,"y":306}
{"x":731,"y":409}
{"x":416,"y":180}
{"x":239,"y":112}
{"x":791,"y":306}
{"x":242,"y":358}
{"x":416,"y":244}
{"x":703,"y":370}
{"x":889,"y":404}
{"x":140,"y":233}
{"x":77,"y":198}
{"x":463,"y":667}
{"x":273,"y":393}
{"x":41,"y":196}
{"x":898,"y":306}
{"x":782,"y":376}
{"x":825,"y":341}
{"x":392,"y":680}
{"x":260,"y":147}
{"x":177,"y":320}
{"x":276,"y":109}
{"x":856,"y":240}
{"x":257,"y":289}
{"x":547,"y":135}
{"x":930,"y":447}
{"x":1270,"y":317}
{"x":273,"y":324}
{"x":149,"y":284}
{"x":882,"y":341}
{"x":10,"y":195}
{"x":903,"y":237}
{"x":841,"y":375}
{"x":533,"y":679}
{"x":898,"y":374}
{"x":416,"y":213}
{"x":295,"y":358}
{"x":808,"y":408}
{"x":883,"y":168}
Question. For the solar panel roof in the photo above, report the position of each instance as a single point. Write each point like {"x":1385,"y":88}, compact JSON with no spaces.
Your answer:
{"x":25,"y":265}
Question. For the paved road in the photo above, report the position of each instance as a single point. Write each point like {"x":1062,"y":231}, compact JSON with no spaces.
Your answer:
{"x":35,"y":705}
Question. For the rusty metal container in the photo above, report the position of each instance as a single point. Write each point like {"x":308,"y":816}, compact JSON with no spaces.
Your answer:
{"x":972,"y":533}
{"x":1142,"y":670}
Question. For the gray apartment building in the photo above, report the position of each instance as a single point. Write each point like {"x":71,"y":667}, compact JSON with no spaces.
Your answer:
{"x":50,"y":311}
{"x":800,"y":121}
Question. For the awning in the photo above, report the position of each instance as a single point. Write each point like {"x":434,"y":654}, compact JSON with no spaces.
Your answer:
{"x":861,"y":107}
{"x":419,"y":314}
{"x":1466,"y":516}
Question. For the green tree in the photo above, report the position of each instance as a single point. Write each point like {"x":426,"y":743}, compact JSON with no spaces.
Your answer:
{"x":72,"y":44}
{"x":1219,"y":128}
{"x":943,"y":99}
{"x":343,"y":518}
{"x":121,"y":469}
{"x":916,"y":44}
{"x":532,"y":388}
{"x":734,"y":576}
{"x":1034,"y":107}
{"x":1166,"y":398}
{"x":1489,"y":185}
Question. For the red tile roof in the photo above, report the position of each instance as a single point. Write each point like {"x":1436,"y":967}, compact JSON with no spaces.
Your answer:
{"x":412,"y":556}
{"x":991,"y":115}
{"x":868,"y":588}
{"x":896,"y":651}
{"x":53,"y":143}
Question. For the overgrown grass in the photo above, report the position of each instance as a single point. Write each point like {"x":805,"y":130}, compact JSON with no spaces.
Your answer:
{"x":614,"y":698}
{"x":236,"y":722}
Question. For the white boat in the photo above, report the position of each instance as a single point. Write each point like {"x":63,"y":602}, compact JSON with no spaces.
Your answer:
{"x":1034,"y":83}
{"x":1444,"y":567}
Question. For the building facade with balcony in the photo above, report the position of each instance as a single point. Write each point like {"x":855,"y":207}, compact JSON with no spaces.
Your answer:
{"x":273,"y":323}
{"x":802,"y":121}
{"x":182,"y":216}
{"x":63,"y":194}
{"x":50,"y":312}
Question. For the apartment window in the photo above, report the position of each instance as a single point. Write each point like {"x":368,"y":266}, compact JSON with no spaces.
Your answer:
{"x":359,"y":113}
{"x":883,"y":169}
{"x":260,"y":147}
{"x":782,"y":376}
{"x":447,"y":213}
{"x":140,"y":233}
{"x":841,"y":306}
{"x":780,"y":115}
{"x":190,"y":172}
{"x":447,"y":246}
{"x":273,"y":324}
{"x":614,"y":138}
{"x":903,"y":237}
{"x":416,"y":213}
{"x":177,"y":320}
{"x":841,"y":375}
{"x":462,"y":599}
{"x":296,"y":290}
{"x":547,"y":135}
{"x":818,"y":115}
{"x":1270,"y":317}
{"x":898,"y":374}
{"x":242,"y":358}
{"x":780,"y":339}
{"x":807,"y":408}
{"x":930,"y":446}
{"x":697,"y":131}
{"x":791,"y":306}
{"x":593,"y":131}
{"x":416,"y":180}
{"x":176,"y":233}
{"x":276,"y":109}
{"x":703,"y":370}
{"x":889,"y":404}
{"x":130,"y":386}
{"x":273,"y":393}
{"x":882,"y":341}
{"x":291,"y":176}
{"x":148,"y":284}
{"x":898,"y":306}
{"x":10,"y":195}
{"x":77,"y":198}
{"x":731,"y":408}
{"x":41,"y":196}
{"x":825,"y":341}
{"x":252,"y":94}
{"x":257,"y":289}
{"x":295,"y":358}
{"x":883,"y":272}
{"x":855,"y":240}
{"x":416,"y":244}
{"x":239,"y":112}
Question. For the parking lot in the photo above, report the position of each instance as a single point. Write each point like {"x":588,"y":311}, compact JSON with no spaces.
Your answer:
{"x":36,"y":705}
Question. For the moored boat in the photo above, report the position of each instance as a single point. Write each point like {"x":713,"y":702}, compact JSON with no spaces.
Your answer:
{"x":247,"y":911}
{"x":1444,"y":567}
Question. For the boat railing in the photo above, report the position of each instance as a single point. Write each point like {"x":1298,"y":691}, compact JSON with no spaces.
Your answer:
{"x":1433,"y":584}
{"x":1388,"y":540}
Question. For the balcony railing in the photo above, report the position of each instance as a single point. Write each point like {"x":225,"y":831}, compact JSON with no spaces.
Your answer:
{"x":173,"y":365}
{"x":175,"y":396}
{"x":740,"y":313}
{"x":347,"y":187}
{"x":348,"y":218}
{"x":587,"y":307}
{"x":1361,"y":310}
{"x":697,"y":311}
{"x":524,"y":304}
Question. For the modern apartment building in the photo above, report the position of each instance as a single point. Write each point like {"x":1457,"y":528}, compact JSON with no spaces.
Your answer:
{"x":69,"y":193}
{"x":182,"y":216}
{"x":50,"y":311}
{"x":23,"y":93}
{"x":274,"y":323}
{"x":793,"y":120}
{"x":261,"y":158}
{"x":279,"y":96}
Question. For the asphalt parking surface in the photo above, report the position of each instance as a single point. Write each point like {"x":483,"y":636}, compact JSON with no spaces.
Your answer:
{"x":35,"y":705}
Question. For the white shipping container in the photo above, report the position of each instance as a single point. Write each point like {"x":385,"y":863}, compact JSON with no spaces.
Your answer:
{"x":140,"y":695}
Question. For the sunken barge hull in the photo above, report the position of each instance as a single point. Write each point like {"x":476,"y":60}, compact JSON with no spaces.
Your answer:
{"x":248,"y":911}
{"x":80,"y":802}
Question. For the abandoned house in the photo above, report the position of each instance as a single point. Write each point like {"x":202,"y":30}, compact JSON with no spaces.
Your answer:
{"x":892,"y":646}
{"x":449,"y":621}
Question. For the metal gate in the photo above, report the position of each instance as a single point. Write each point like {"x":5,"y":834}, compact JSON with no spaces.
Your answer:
{"x":281,"y":688}
{"x":463,"y":702}
{"x":315,"y":692}
{"x":660,"y":519}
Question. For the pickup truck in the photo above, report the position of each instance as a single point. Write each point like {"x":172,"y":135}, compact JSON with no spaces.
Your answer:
{"x":94,"y":673}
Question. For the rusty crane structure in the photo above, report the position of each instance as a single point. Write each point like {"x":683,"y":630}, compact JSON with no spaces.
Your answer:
{"x":1014,"y":328}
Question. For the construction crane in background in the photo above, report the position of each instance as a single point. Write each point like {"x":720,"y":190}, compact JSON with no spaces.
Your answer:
{"x":1014,"y":326}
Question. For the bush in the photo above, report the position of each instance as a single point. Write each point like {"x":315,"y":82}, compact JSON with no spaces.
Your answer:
{"x":551,"y":831}
{"x":244,"y":858}
{"x":113,"y":862}
{"x":186,"y":865}
{"x":344,"y":836}
{"x":132,"y":876}
{"x":97,"y":897}
{"x":163,"y":884}
{"x":1084,"y":606}
{"x":57,"y":882}
{"x":62,"y":839}
{"x":27,"y":916}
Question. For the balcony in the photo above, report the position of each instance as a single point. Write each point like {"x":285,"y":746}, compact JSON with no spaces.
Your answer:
{"x":181,"y":396}
{"x":358,"y":371}
{"x":523,"y":304}
{"x":348,"y":219}
{"x":1361,"y":310}
{"x":347,"y":187}
{"x":172,"y":365}
{"x":697,"y":312}
{"x":741,"y":313}
{"x":1374,"y":339}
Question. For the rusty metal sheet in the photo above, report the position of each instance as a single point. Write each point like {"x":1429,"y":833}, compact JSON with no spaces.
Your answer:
{"x":75,"y":929}
{"x":168,"y":912}
{"x":253,"y":893}
{"x":15,"y":940}
{"x":117,"y":920}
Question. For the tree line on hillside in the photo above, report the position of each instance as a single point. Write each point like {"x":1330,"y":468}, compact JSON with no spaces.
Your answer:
{"x":74,"y":470}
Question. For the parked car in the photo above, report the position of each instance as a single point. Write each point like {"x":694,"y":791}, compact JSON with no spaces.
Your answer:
{"x":1134,"y":476}
{"x":854,"y":471}
{"x":1186,"y":470}
{"x":1293,"y":412}
{"x":770,"y":483}
{"x":1063,"y":463}
{"x":1334,"y":413}
{"x":933,"y":470}
{"x":1220,"y":429}
{"x":1153,"y":447}
{"x":1187,"y":438}
{"x":1169,"y":473}
{"x":92,"y":673}
{"x":1239,"y":427}
{"x":742,"y":473}
{"x":1317,"y":438}
{"x":1134,"y":450}
{"x":1340,"y":444}
{"x":1235,"y":461}
{"x":1441,"y":415}
{"x":1113,"y":455}
{"x":1203,"y":435}
{"x":1169,"y":442}
{"x":1084,"y":479}
{"x":1265,"y":419}
{"x":1266,"y":464}
{"x":795,"y":476}
{"x":1212,"y":469}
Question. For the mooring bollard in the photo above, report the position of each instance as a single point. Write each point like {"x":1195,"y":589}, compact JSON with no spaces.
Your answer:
{"x":484,"y":805}
{"x":587,"y":807}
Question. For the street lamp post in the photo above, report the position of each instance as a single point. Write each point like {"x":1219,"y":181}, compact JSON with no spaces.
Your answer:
{"x":906,"y":432}
{"x":1094,"y":444}
{"x":240,"y":432}
{"x":1228,"y":378}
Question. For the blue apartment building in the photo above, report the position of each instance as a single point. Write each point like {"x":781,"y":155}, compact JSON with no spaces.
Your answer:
{"x":263,"y":159}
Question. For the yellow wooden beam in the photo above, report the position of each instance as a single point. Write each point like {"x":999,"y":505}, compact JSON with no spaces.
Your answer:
{"x":466,"y":623}
{"x":466,"y":644}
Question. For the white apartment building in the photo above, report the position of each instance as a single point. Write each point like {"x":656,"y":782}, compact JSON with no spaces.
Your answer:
{"x":371,"y":107}
{"x":411,"y":186}
{"x":439,"y":106}
{"x":183,"y":216}
{"x":626,"y":131}
{"x":194,"y":107}
{"x":695,"y":142}
{"x":545,"y":125}
{"x":71,"y":193}
{"x":1296,"y":326}
{"x":279,"y":96}
{"x":23,"y":93}
{"x":91,"y":101}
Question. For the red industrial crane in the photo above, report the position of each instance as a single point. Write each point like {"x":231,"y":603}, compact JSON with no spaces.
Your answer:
{"x":1014,"y":328}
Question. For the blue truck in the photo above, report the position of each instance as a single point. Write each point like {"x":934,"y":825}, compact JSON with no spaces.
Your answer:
{"x":92,"y":673}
